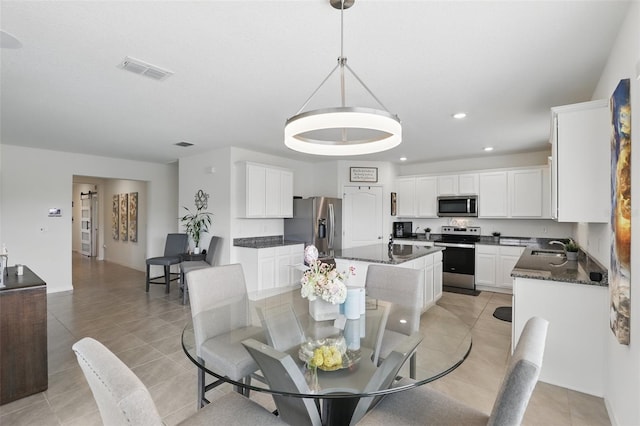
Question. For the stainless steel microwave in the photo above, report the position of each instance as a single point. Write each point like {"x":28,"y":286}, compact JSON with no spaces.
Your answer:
{"x":463,"y":205}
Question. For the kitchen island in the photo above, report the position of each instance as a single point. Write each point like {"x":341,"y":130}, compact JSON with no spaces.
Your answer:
{"x":572,"y":296}
{"x":424,"y":258}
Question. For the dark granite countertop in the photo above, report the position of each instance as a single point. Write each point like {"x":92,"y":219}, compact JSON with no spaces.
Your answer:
{"x":380,"y":253}
{"x":27,"y":279}
{"x":263,"y":242}
{"x":552,"y":268}
{"x":533,"y":242}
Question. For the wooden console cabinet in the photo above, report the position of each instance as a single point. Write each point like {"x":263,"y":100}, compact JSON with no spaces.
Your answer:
{"x":23,"y":336}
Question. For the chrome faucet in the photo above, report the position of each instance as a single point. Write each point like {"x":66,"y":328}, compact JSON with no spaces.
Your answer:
{"x":558,"y":242}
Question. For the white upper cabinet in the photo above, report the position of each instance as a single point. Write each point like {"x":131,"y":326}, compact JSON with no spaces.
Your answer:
{"x":427,"y":201}
{"x":525,"y":190}
{"x":406,"y":197}
{"x":492,"y":195}
{"x":580,"y":165}
{"x":468,"y":184}
{"x":465,"y":184}
{"x":268,"y":191}
{"x":517,"y":193}
{"x":416,"y":197}
{"x":448,"y":185}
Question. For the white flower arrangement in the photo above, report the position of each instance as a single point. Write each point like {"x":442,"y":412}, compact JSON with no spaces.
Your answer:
{"x":322,"y":280}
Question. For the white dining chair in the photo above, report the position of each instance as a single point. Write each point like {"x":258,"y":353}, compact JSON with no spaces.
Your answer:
{"x":427,"y":406}
{"x":221,"y":321}
{"x":123,"y":399}
{"x":402,"y":287}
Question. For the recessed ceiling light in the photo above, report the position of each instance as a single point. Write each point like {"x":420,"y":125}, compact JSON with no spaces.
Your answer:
{"x":488,"y":148}
{"x":459,"y":115}
{"x":403,"y":158}
{"x":184,"y":144}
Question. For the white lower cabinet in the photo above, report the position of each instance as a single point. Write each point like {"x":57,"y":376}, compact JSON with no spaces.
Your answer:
{"x":271,"y":268}
{"x":494,"y":265}
{"x":575,"y":351}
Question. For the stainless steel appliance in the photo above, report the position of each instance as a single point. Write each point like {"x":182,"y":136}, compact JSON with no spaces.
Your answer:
{"x":317,"y":221}
{"x":402,"y":229}
{"x":458,"y":205}
{"x":459,"y":258}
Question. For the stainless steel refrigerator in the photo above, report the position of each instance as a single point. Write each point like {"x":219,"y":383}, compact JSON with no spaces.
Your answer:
{"x":317,"y":221}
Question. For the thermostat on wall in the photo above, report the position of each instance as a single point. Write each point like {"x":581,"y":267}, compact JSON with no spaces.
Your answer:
{"x":55,"y":212}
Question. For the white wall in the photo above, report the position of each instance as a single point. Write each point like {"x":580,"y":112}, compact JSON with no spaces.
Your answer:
{"x":622,"y":386}
{"x":34,"y":180}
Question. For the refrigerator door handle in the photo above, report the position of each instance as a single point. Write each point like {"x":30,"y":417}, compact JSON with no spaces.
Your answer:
{"x":332,"y":228}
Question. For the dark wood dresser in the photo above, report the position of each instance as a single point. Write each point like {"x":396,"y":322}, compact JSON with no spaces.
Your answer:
{"x":23,"y":336}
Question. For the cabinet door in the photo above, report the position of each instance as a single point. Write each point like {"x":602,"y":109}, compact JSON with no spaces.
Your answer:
{"x":486,"y":264}
{"x":437,"y":276}
{"x":468,"y":184}
{"x":508,"y":258}
{"x":426,"y":196}
{"x":406,"y":192}
{"x":273,"y":192}
{"x":429,"y":285}
{"x":448,"y":185}
{"x":266,"y":269}
{"x":582,"y":161}
{"x":286,"y":194}
{"x":525,"y":193}
{"x":255,"y":191}
{"x":492,"y":196}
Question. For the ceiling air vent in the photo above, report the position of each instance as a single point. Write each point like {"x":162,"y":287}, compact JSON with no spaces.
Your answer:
{"x":184,"y":144}
{"x":140,"y":67}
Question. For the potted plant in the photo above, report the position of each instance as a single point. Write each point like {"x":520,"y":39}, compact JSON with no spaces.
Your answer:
{"x":427,"y":233}
{"x":195,"y":224}
{"x":571,"y":250}
{"x":496,"y":236}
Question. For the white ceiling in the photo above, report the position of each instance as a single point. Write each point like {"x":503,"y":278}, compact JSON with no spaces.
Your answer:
{"x":243,"y":67}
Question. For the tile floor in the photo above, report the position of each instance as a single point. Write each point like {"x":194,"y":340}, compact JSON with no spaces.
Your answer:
{"x":109,"y":304}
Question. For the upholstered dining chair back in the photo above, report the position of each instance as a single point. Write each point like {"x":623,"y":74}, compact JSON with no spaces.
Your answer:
{"x":219,"y":301}
{"x":385,"y":375}
{"x":521,"y":375}
{"x":214,"y":244}
{"x":427,"y":406}
{"x":176,"y":244}
{"x":124,"y":400}
{"x":121,"y":397}
{"x":282,"y":327}
{"x":192,"y":265}
{"x":282,"y":373}
{"x":221,"y":321}
{"x":402,"y":287}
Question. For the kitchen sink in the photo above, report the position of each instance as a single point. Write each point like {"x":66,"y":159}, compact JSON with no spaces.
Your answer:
{"x":548,"y":253}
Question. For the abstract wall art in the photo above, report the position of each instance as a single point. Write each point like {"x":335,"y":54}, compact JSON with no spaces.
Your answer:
{"x":123,"y":217}
{"x":133,"y":217}
{"x":620,"y":280}
{"x":115,"y":225}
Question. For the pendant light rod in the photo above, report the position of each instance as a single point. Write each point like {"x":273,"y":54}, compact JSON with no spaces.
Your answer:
{"x":306,"y":131}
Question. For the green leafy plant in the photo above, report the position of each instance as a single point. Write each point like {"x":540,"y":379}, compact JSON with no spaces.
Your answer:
{"x":571,"y":246}
{"x":196,"y":223}
{"x":495,"y":234}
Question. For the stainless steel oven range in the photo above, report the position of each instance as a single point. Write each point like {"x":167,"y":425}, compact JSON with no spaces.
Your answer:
{"x":459,"y":258}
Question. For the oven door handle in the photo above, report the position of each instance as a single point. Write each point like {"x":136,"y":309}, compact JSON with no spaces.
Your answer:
{"x":458,"y":245}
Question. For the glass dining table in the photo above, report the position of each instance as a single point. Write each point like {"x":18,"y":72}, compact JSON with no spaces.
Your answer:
{"x":446,"y":342}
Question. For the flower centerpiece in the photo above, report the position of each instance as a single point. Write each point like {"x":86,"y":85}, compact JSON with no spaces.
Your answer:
{"x":324,"y":286}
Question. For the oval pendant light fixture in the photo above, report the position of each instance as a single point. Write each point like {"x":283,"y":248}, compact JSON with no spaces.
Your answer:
{"x":343,"y":130}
